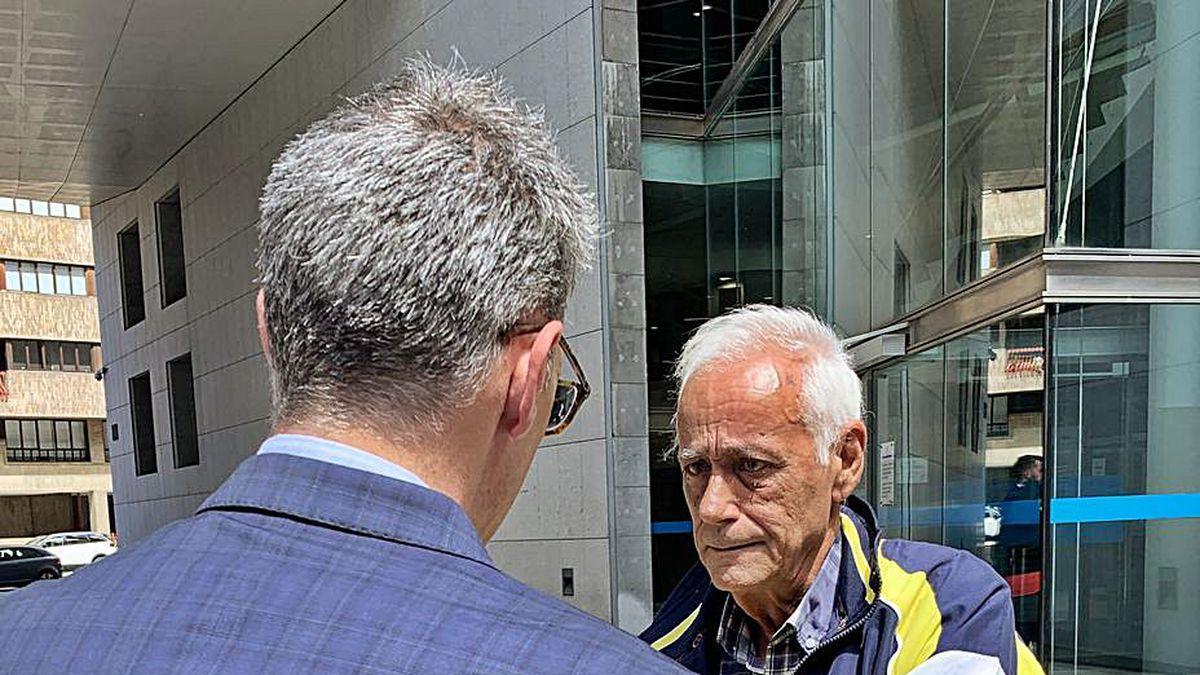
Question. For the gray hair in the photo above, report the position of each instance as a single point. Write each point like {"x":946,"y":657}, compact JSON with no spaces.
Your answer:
{"x":831,"y":394}
{"x":403,"y":237}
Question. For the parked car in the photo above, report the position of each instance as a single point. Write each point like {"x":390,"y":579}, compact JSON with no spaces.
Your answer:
{"x":76,"y":549}
{"x":21,"y":565}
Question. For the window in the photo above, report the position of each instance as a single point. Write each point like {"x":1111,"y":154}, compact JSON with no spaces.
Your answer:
{"x":46,"y":278}
{"x":181,"y":392}
{"x":73,"y":357}
{"x":171,"y":267}
{"x":46,"y":440}
{"x":144,"y":458}
{"x":129,"y":255}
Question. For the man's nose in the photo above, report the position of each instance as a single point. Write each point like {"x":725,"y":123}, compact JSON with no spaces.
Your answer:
{"x":718,"y":503}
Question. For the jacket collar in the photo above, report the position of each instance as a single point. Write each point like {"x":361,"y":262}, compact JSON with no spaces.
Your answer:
{"x":338,"y":497}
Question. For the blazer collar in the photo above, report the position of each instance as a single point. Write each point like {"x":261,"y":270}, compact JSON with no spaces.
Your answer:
{"x":347,"y":499}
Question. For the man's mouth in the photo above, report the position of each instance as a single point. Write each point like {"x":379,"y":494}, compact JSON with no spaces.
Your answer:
{"x":725,"y":548}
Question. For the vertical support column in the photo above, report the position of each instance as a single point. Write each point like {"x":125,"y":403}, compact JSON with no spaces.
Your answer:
{"x":802,"y":49}
{"x":1172,"y":547}
{"x":624,"y":313}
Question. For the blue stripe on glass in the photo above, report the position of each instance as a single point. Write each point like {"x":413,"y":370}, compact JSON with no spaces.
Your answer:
{"x":1125,"y":507}
{"x":671,"y":527}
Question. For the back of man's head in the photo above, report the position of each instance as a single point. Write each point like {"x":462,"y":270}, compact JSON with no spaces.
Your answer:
{"x":403,"y":237}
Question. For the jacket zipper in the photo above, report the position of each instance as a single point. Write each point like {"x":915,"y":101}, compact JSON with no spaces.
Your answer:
{"x":852,"y":628}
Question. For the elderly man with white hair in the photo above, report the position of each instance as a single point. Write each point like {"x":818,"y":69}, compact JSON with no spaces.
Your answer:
{"x":795,"y":576}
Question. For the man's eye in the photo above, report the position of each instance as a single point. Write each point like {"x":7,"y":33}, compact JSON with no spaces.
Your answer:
{"x":696,"y":468}
{"x":752,"y":466}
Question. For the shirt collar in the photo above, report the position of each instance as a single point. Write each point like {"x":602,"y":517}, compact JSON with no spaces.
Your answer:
{"x":814,"y":616}
{"x":323,"y":450}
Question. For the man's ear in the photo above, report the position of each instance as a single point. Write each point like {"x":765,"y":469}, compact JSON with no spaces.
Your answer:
{"x":850,"y":448}
{"x":531,"y":368}
{"x":260,"y":306}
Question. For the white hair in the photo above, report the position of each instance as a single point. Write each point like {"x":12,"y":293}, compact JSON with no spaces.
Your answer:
{"x":403,"y":237}
{"x":830,"y":393}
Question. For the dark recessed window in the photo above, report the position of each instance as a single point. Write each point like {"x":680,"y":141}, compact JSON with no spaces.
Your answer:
{"x":71,"y":357}
{"x":171,"y":269}
{"x":129,"y":254}
{"x":144,"y":458}
{"x":181,"y":392}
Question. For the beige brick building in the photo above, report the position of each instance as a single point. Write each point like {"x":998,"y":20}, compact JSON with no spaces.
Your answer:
{"x":54,"y":471}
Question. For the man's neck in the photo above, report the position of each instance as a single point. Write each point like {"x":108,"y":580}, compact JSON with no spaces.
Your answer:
{"x":433,"y":465}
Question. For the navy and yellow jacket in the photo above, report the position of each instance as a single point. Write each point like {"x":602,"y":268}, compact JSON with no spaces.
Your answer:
{"x":906,"y":604}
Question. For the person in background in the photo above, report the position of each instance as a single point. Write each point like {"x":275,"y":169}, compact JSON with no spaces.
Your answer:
{"x":417,"y":248}
{"x":794,"y":574}
{"x":1020,"y":541}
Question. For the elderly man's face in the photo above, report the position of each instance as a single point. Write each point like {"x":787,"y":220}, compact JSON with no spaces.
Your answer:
{"x":760,"y":501}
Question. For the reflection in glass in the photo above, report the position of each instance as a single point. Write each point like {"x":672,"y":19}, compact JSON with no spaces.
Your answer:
{"x":1129,"y":157}
{"x":1126,"y":413}
{"x":958,"y":453}
{"x":995,"y":90}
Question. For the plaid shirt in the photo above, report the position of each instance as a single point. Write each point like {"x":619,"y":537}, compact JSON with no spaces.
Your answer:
{"x":812,"y":620}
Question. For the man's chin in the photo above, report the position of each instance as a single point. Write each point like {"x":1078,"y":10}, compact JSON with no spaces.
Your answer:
{"x":734,"y":570}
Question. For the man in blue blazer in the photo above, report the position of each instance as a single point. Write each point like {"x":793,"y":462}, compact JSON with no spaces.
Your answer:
{"x":417,"y":248}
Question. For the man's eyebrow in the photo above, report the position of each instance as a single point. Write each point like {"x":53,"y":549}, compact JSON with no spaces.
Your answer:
{"x":689,"y":454}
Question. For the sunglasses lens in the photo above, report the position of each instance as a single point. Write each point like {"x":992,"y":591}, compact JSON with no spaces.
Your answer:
{"x":564,"y":401}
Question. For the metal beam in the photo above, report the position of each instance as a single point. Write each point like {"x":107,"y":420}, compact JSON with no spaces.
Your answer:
{"x":768,"y":29}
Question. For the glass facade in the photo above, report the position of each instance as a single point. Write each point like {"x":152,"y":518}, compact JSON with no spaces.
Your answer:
{"x":1128,"y":157}
{"x":890,"y":155}
{"x":1126,"y":408}
{"x":957,"y":451}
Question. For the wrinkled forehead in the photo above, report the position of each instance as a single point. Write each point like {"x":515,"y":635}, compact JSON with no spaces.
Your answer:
{"x":738,"y":401}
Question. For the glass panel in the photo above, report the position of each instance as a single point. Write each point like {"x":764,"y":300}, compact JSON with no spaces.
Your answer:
{"x":1120,"y":597}
{"x":1129,"y":170}
{"x":45,"y":432}
{"x":142,"y":410}
{"x":908,"y":444}
{"x":45,"y":279}
{"x":29,"y":277}
{"x":57,"y":210}
{"x":83,"y":354}
{"x":78,"y":435}
{"x":78,"y":281}
{"x":907,"y":116}
{"x":29,"y":433}
{"x":129,"y":253}
{"x":995,"y":181}
{"x":53,"y":351}
{"x":12,"y":276}
{"x":62,"y":279}
{"x":850,"y":80}
{"x":62,"y":435}
{"x":12,"y":433}
{"x":41,"y":208}
{"x":33,"y":355}
{"x":23,"y":206}
{"x":73,"y":211}
{"x":171,"y":266}
{"x":1125,"y":384}
{"x":1125,"y":389}
{"x":686,"y":49}
{"x":183,"y":411}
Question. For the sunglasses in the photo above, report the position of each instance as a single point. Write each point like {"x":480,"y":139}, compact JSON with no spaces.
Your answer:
{"x":569,"y":393}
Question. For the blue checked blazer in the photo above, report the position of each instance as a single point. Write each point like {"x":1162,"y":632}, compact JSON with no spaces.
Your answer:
{"x":299,"y":566}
